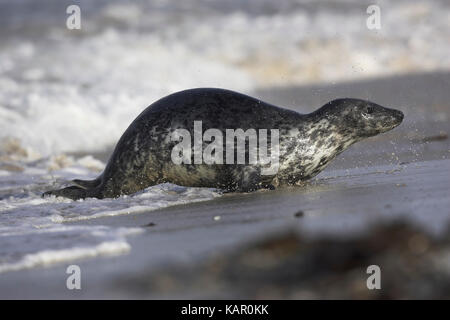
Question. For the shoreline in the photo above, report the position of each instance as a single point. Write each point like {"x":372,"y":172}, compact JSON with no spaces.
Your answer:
{"x":402,"y":174}
{"x":186,"y":235}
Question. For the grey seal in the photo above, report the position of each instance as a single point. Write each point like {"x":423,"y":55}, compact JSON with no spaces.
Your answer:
{"x":307,"y":142}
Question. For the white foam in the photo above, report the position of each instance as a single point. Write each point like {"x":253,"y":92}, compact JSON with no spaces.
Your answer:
{"x":4,"y":173}
{"x":49,"y":257}
{"x":66,"y":93}
{"x":34,"y":230}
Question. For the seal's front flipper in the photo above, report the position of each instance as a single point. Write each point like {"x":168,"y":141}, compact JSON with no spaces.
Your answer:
{"x":87,"y":184}
{"x":72,"y":192}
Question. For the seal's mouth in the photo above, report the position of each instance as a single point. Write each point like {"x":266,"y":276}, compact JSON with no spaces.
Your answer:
{"x":392,"y":119}
{"x":398,"y":117}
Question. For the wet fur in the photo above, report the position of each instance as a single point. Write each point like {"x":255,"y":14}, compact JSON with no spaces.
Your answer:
{"x":142,"y":156}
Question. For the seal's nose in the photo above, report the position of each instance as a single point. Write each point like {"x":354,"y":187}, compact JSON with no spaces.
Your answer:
{"x":399,"y":115}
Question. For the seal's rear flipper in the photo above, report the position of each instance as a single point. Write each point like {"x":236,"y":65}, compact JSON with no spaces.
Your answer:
{"x":72,"y":192}
{"x":87,"y":184}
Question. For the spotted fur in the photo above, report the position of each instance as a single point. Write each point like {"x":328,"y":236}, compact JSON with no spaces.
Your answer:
{"x":308,"y":142}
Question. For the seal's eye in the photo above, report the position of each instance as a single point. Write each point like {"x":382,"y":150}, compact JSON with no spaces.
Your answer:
{"x":370,"y":110}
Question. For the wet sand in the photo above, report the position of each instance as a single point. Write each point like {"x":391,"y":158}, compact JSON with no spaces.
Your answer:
{"x":402,"y":175}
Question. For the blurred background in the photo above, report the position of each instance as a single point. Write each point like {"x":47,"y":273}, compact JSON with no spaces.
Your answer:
{"x":67,"y":90}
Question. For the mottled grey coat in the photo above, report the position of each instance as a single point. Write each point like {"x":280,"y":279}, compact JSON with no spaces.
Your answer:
{"x":308,"y":142}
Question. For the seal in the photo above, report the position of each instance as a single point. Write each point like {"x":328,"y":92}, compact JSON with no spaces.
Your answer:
{"x":307,"y":142}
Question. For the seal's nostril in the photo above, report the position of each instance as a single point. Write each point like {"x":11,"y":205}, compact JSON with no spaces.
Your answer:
{"x":400,"y":115}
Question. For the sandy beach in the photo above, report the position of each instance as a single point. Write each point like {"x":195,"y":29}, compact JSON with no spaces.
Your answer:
{"x":402,"y":175}
{"x":73,"y":78}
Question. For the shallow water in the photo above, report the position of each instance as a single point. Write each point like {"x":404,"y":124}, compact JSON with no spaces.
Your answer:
{"x":339,"y":204}
{"x":75,"y":92}
{"x":32,"y":229}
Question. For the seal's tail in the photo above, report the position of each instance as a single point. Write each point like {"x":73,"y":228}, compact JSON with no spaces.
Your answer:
{"x":72,"y":192}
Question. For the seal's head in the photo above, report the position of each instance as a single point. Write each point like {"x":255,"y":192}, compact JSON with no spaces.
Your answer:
{"x":361,"y":118}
